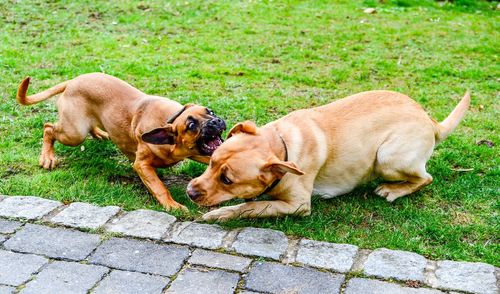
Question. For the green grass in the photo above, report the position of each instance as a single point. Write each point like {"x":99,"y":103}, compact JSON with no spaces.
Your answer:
{"x":259,"y":60}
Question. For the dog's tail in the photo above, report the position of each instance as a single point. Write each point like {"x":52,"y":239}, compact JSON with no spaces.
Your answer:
{"x":35,"y":98}
{"x":447,"y":126}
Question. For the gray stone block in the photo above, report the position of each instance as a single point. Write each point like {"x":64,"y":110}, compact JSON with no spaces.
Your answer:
{"x":219,"y":260}
{"x":141,"y":256}
{"x":16,"y":268}
{"x":278,"y":278}
{"x":206,"y":281}
{"x":84,"y":215}
{"x":466,"y":276}
{"x":142,"y":223}
{"x":9,"y":227}
{"x":123,"y":282}
{"x":65,"y":277}
{"x":199,"y":235}
{"x":27,"y":207}
{"x":367,"y":286}
{"x":337,"y":257}
{"x":261,"y":242}
{"x":53,"y":242}
{"x":400,"y":265}
{"x":6,"y":289}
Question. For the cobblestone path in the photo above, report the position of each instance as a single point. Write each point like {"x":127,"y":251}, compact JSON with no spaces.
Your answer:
{"x":48,"y":247}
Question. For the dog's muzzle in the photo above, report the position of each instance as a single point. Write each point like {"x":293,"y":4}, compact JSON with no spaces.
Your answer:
{"x":210,"y":137}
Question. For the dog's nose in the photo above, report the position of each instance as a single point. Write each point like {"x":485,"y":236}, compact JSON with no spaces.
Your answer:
{"x":216,"y":123}
{"x":192,"y":193}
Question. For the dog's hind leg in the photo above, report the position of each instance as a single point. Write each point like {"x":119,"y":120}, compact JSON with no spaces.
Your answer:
{"x":68,"y":136}
{"x":47,"y":156}
{"x":410,"y":184}
{"x":71,"y":130}
{"x":402,"y":161}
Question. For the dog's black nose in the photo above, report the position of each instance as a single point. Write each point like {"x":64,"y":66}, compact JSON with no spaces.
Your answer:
{"x":192,"y":193}
{"x":216,"y":123}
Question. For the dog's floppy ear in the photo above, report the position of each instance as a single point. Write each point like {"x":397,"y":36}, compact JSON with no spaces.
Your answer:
{"x":160,"y":136}
{"x":280,"y":168}
{"x":248,"y":127}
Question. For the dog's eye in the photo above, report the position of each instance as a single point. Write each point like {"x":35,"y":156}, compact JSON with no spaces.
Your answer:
{"x":192,"y":126}
{"x":210,"y":112}
{"x":225,"y":179}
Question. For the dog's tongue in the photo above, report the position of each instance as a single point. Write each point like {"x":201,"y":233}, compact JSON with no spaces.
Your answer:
{"x":214,"y":143}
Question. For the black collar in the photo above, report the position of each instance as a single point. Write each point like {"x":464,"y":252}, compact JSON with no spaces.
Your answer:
{"x":176,"y":115}
{"x":277,"y":181}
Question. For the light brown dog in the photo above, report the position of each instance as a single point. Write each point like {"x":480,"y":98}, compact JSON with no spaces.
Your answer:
{"x":151,"y":131}
{"x":327,"y":150}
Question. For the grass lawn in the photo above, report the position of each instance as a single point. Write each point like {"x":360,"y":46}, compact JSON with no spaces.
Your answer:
{"x":259,"y":60}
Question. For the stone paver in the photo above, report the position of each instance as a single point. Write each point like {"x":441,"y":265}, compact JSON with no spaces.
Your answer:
{"x":466,"y":276}
{"x":65,"y":277}
{"x":219,"y":260}
{"x":9,"y":227}
{"x":367,"y":286}
{"x":199,"y":235}
{"x":6,"y":289}
{"x":123,"y":265}
{"x":337,"y":257}
{"x":53,"y":242}
{"x":141,"y":256}
{"x":278,"y":278}
{"x":16,"y":268}
{"x":142,"y":223}
{"x":27,"y":207}
{"x":261,"y":242}
{"x":84,"y":215}
{"x":206,"y":281}
{"x":122,"y":282}
{"x":401,"y":265}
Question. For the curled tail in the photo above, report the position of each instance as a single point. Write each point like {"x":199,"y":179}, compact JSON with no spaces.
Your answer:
{"x":451,"y":122}
{"x":35,"y":98}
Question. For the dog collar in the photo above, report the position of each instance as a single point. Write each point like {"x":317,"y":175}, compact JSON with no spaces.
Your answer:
{"x":176,"y":115}
{"x":277,"y":181}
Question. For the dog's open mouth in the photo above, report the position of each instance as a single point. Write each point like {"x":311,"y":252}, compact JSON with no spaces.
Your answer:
{"x":207,"y":146}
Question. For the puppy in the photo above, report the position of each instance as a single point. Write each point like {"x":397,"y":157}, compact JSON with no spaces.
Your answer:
{"x":327,"y":150}
{"x":151,"y":131}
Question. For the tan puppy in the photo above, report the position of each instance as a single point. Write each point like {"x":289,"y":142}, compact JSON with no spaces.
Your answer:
{"x":327,"y":150}
{"x":151,"y":131}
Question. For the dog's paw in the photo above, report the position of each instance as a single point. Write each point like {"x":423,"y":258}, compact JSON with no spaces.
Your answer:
{"x":390,"y":192}
{"x":220,"y":215}
{"x":175,"y":206}
{"x":48,"y":161}
{"x":99,"y":134}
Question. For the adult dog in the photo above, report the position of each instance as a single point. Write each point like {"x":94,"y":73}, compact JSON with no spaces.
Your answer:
{"x":151,"y":131}
{"x":327,"y":150}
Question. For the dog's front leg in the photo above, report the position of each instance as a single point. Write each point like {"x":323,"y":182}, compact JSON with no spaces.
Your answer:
{"x":149,"y":177}
{"x":255,"y":209}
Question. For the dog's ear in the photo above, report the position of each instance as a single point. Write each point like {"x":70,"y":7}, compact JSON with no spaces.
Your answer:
{"x":280,"y":168}
{"x":160,"y":136}
{"x":248,"y":127}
